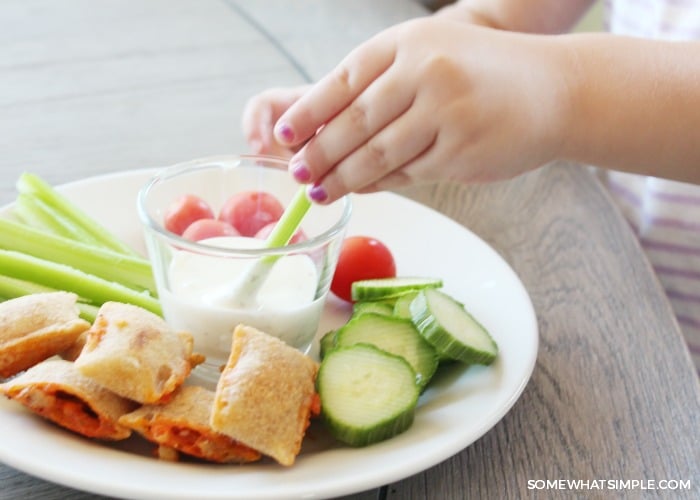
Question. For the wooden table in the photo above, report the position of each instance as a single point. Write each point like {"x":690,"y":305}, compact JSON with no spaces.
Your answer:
{"x":91,"y":87}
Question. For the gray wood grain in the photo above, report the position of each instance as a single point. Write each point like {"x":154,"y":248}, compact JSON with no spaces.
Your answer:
{"x":94,"y":87}
{"x":614,"y":394}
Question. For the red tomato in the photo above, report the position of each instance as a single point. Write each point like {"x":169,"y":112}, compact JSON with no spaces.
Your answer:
{"x":250,"y":211}
{"x":266,"y":230}
{"x":209,"y":228}
{"x":184,"y":211}
{"x":361,"y":258}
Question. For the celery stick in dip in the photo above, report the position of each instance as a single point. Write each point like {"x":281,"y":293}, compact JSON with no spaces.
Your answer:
{"x":284,"y":305}
{"x":241,"y":293}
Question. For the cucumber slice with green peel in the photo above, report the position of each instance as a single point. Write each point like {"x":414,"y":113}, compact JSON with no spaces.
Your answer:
{"x":454,"y":333}
{"x":395,"y":335}
{"x":378,"y":307}
{"x":382,"y":288}
{"x":367,"y":395}
{"x":326,"y":344}
{"x":403,"y":303}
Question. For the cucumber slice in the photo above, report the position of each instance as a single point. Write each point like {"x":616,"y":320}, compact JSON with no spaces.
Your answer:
{"x":395,"y":335}
{"x":447,"y":325}
{"x":403,"y":303}
{"x":402,"y":309}
{"x":375,"y":307}
{"x":367,"y":395}
{"x":326,"y":344}
{"x":383,"y":288}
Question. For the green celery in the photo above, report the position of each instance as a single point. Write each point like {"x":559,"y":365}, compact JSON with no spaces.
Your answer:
{"x":246,"y":289}
{"x":11,"y":288}
{"x":87,"y":311}
{"x":290,"y":220}
{"x":35,"y":213}
{"x":61,"y":277}
{"x":106,"y":264}
{"x":33,"y":185}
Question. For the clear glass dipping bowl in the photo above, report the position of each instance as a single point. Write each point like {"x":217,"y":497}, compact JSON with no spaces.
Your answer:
{"x":186,"y":271}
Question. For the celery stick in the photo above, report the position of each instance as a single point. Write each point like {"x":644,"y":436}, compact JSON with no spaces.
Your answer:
{"x":290,"y":220}
{"x":87,"y":311}
{"x":32,"y":184}
{"x":11,"y":288}
{"x":107,"y":264}
{"x":62,"y":277}
{"x":243,"y":292}
{"x":37,"y":214}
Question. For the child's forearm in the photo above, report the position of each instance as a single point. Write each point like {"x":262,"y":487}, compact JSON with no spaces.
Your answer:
{"x":634,"y":105}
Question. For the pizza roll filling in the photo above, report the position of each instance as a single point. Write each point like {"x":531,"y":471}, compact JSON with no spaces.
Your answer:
{"x":54,"y":390}
{"x":183,"y":425}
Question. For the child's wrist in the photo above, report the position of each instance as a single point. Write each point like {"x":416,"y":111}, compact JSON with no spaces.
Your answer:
{"x":572,"y":98}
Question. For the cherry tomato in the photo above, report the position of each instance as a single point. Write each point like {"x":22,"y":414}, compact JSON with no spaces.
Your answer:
{"x":361,"y":257}
{"x":250,"y":211}
{"x":266,"y":230}
{"x":184,"y":211}
{"x":208,"y":228}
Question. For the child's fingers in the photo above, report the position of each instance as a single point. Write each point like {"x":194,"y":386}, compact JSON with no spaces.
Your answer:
{"x":261,"y":113}
{"x":335,"y":91}
{"x":381,"y":103}
{"x":391,"y":149}
{"x":256,"y":123}
{"x":394,"y":180}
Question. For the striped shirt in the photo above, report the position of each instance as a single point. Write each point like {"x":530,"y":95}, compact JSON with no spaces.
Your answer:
{"x":664,"y":214}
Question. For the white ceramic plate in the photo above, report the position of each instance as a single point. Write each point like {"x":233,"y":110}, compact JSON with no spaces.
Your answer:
{"x":460,"y":406}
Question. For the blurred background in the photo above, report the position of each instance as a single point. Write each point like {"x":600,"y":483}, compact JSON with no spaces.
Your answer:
{"x":593,"y":21}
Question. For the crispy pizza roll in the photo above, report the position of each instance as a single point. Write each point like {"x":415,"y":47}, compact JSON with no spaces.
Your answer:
{"x":55,"y":390}
{"x":182,"y":425}
{"x":265,"y":395}
{"x":72,"y":353}
{"x":36,"y":327}
{"x":134,"y":353}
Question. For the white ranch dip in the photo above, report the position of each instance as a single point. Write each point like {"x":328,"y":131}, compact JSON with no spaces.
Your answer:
{"x":284,"y":306}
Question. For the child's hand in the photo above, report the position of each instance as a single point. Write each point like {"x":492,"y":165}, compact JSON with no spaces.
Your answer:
{"x":261,"y":113}
{"x":427,"y":100}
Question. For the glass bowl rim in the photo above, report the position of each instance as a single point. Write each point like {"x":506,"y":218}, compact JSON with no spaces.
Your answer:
{"x":179,"y":242}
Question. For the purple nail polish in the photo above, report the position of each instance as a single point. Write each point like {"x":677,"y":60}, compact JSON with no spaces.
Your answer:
{"x":317,"y":193}
{"x":301,"y":172}
{"x":285,"y":132}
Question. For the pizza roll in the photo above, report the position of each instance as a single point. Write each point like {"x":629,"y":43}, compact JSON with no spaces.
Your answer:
{"x":72,"y":353}
{"x":182,"y":425}
{"x":134,"y":353}
{"x":55,"y":390}
{"x":265,"y":395}
{"x":36,"y":327}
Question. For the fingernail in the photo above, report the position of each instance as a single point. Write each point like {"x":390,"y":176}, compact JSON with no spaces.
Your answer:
{"x":301,"y":172}
{"x":317,"y":193}
{"x":285,"y":132}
